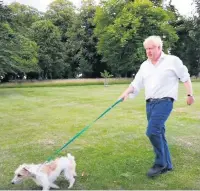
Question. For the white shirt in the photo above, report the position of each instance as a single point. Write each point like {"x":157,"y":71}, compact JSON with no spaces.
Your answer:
{"x":162,"y":79}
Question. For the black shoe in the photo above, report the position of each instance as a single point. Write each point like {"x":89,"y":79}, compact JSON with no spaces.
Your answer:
{"x":155,"y":170}
{"x":165,"y":170}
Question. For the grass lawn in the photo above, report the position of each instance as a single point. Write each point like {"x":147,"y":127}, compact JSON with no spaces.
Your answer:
{"x":113,"y":154}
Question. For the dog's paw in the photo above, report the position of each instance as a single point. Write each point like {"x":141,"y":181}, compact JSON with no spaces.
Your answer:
{"x":54,"y":186}
{"x":69,"y":187}
{"x":71,"y":183}
{"x":75,"y":174}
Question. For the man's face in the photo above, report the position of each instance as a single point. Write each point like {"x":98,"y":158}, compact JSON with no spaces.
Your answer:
{"x":152,"y":51}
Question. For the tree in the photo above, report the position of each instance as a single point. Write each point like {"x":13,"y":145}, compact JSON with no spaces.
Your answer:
{"x":106,"y":75}
{"x":51,"y":50}
{"x":121,"y":28}
{"x":24,"y":17}
{"x":62,"y":14}
{"x":18,"y":54}
{"x":86,"y":59}
{"x":158,"y":3}
{"x":196,"y":35}
{"x":187,"y":47}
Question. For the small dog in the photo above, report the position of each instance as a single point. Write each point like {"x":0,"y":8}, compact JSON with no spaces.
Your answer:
{"x":45,"y":174}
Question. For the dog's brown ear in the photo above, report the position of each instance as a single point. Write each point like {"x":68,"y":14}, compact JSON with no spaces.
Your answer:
{"x":27,"y":171}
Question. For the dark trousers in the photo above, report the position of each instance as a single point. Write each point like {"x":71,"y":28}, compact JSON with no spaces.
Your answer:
{"x":157,"y":113}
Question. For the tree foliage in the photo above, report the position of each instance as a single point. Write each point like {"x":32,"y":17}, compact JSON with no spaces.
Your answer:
{"x":24,"y":17}
{"x":62,"y":14}
{"x":86,"y":59}
{"x":65,"y":42}
{"x":51,"y":50}
{"x":122,"y":27}
{"x":18,"y":54}
{"x":187,"y":47}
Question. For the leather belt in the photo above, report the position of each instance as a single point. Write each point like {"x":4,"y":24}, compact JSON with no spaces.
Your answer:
{"x":158,"y":99}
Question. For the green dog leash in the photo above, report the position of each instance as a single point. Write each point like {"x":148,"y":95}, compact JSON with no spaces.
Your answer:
{"x":83,"y":130}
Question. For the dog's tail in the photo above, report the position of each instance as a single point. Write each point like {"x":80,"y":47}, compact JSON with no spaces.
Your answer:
{"x":70,"y":157}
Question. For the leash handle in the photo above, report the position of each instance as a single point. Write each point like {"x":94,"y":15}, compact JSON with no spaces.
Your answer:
{"x":83,"y":130}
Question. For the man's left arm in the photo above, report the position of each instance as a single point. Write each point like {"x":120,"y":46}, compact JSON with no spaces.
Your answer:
{"x":190,"y":96}
{"x":184,"y":76}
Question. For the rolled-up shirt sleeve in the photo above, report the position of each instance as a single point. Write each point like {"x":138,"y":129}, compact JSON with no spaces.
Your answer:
{"x":137,"y":83}
{"x":181,"y":70}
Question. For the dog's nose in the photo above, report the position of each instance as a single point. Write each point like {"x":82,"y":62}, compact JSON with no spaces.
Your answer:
{"x":12,"y":182}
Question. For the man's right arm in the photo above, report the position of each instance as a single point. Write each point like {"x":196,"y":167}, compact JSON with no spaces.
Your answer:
{"x":126,"y":93}
{"x":134,"y":87}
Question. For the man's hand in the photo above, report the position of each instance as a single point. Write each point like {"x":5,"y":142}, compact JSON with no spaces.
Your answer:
{"x":126,"y":93}
{"x":190,"y":100}
{"x":123,"y":97}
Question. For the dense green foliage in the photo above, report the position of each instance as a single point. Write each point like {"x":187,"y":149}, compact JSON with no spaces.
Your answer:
{"x":18,"y":53}
{"x":124,"y":31}
{"x":66,"y":42}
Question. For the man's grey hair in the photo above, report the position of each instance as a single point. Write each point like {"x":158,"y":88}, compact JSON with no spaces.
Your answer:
{"x":155,"y":39}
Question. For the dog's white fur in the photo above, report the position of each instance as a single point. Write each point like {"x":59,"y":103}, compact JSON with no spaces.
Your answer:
{"x":45,"y":174}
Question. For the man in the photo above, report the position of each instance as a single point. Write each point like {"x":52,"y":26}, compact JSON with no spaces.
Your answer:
{"x":159,"y":75}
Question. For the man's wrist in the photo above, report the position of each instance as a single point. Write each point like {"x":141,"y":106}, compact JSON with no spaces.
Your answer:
{"x":189,"y":95}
